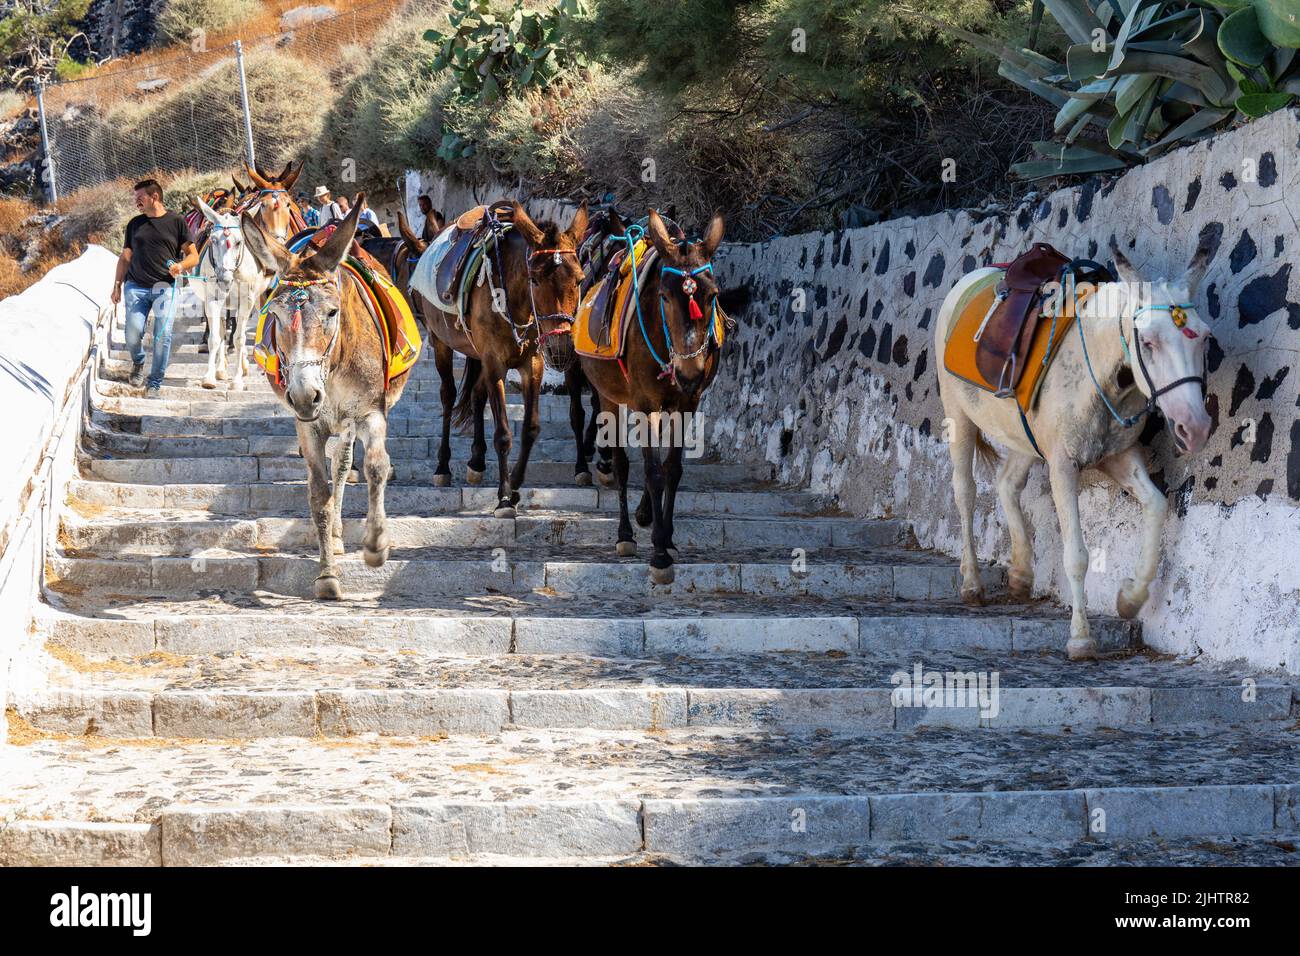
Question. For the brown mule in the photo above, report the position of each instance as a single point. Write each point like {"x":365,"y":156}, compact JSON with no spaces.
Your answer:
{"x":536,"y":264}
{"x":277,"y":213}
{"x":668,"y":367}
{"x":331,"y":376}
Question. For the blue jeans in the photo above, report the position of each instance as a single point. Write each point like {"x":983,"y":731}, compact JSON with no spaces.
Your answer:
{"x":138,"y":301}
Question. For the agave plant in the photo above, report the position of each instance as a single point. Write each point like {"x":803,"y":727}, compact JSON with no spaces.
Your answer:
{"x":1141,"y":76}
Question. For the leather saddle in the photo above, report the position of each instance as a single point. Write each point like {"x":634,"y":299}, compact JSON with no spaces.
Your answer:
{"x":1004,"y":338}
{"x":471,"y":229}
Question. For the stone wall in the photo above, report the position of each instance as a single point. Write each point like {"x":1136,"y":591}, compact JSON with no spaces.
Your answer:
{"x":120,"y":27}
{"x":843,"y":396}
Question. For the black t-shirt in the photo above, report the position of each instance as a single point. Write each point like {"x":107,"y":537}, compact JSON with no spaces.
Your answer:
{"x":153,"y":242}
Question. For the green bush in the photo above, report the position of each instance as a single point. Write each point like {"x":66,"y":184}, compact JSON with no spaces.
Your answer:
{"x":180,"y":18}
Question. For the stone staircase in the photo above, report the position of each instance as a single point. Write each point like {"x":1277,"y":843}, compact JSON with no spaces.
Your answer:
{"x":510,"y":690}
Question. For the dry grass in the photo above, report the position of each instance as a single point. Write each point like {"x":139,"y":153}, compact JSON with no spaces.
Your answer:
{"x":15,"y":238}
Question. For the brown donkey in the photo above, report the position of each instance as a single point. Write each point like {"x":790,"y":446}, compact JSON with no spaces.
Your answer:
{"x":331,"y":376}
{"x":537,"y":266}
{"x":671,"y":358}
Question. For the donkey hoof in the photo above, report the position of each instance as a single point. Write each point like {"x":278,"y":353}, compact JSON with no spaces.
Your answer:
{"x":209,"y":382}
{"x":644,"y":519}
{"x":473,"y":477}
{"x":606,"y":478}
{"x":662,"y":575}
{"x":1127,"y":605}
{"x":626,"y":549}
{"x":221,"y":374}
{"x":582,"y":479}
{"x":504,"y":511}
{"x":375,"y":559}
{"x":974,"y":597}
{"x":441,"y":481}
{"x":1019,"y":588}
{"x":327,"y":588}
{"x":1081,"y":649}
{"x":338,"y":545}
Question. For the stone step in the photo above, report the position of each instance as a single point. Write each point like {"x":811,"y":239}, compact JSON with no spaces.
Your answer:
{"x":281,"y":424}
{"x":703,"y":792}
{"x":880,"y":574}
{"x":698,"y":476}
{"x":176,"y":533}
{"x":100,"y":621}
{"x":188,"y":370}
{"x":289,"y":498}
{"x":340,"y":693}
{"x":179,"y":417}
{"x":555,"y":444}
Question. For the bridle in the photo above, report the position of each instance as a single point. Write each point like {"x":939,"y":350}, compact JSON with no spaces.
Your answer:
{"x":558,"y":358}
{"x":298,"y":295}
{"x":1177,"y":314}
{"x":210,"y":252}
{"x":667,"y":370}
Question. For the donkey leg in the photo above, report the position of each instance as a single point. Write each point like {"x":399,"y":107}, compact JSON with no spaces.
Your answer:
{"x":1064,"y":476}
{"x":626,"y":540}
{"x":577,"y":421}
{"x":530,"y":376}
{"x":214,"y":311}
{"x":375,"y":436}
{"x":661,"y":562}
{"x":1012,"y":475}
{"x":239,"y":350}
{"x":1129,"y":471}
{"x":672,"y":477}
{"x":442,"y":357}
{"x":501,"y":439}
{"x":342,"y":468}
{"x":478,"y":447}
{"x":604,"y":467}
{"x":962,"y":450}
{"x":312,"y":442}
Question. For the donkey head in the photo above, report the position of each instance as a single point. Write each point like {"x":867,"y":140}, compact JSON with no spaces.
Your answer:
{"x":1167,"y":342}
{"x":273,"y":211}
{"x":225,"y":246}
{"x":306,"y":308}
{"x":688,"y":295}
{"x":553,"y":268}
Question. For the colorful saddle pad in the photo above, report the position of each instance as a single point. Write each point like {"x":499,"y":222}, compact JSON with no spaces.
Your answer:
{"x":388,"y":309}
{"x":959,"y":356}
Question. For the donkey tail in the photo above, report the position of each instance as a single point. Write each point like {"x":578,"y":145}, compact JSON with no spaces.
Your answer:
{"x":462,"y":412}
{"x":985,"y":453}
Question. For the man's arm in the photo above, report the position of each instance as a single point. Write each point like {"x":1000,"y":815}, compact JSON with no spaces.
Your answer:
{"x":123,"y":264}
{"x":188,"y":263}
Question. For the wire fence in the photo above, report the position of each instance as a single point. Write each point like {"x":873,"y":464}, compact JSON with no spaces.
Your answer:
{"x":190,"y":112}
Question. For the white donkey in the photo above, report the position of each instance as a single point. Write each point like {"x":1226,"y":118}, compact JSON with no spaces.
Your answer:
{"x":1137,"y":346}
{"x":232,"y":285}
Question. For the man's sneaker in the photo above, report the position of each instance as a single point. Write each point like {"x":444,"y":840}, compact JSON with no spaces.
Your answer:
{"x":137,"y":374}
{"x":153,"y":391}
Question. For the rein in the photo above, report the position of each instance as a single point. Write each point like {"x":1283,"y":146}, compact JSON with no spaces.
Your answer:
{"x":1177,"y":313}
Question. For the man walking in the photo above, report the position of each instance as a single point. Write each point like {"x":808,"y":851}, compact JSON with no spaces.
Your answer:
{"x":158,"y":247}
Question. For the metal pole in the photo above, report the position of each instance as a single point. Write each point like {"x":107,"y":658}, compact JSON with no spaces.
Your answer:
{"x":243,"y":95}
{"x":48,"y":173}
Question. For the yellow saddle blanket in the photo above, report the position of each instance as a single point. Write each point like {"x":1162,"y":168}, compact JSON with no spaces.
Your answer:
{"x":596,"y":337}
{"x":959,"y":349}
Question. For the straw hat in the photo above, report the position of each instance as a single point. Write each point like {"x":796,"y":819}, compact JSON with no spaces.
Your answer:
{"x":320,"y":191}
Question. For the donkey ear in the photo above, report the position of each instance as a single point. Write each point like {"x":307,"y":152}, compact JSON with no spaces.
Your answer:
{"x":209,"y":213}
{"x":256,"y":177}
{"x":527,"y":227}
{"x":290,"y":174}
{"x":713,"y":237}
{"x":578,"y":228}
{"x":616,"y":225}
{"x":404,"y":229}
{"x":270,"y":255}
{"x":1123,"y":268}
{"x":337,"y":245}
{"x":658,"y":234}
{"x":239,"y":187}
{"x":1201,"y":259}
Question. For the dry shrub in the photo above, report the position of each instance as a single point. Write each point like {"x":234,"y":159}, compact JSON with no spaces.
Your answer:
{"x":179,"y":18}
{"x":16,"y":238}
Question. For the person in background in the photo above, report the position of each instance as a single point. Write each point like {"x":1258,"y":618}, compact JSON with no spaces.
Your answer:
{"x":157,"y":248}
{"x":368,"y":216}
{"x":344,"y":204}
{"x":433,"y":221}
{"x":326,"y":209}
